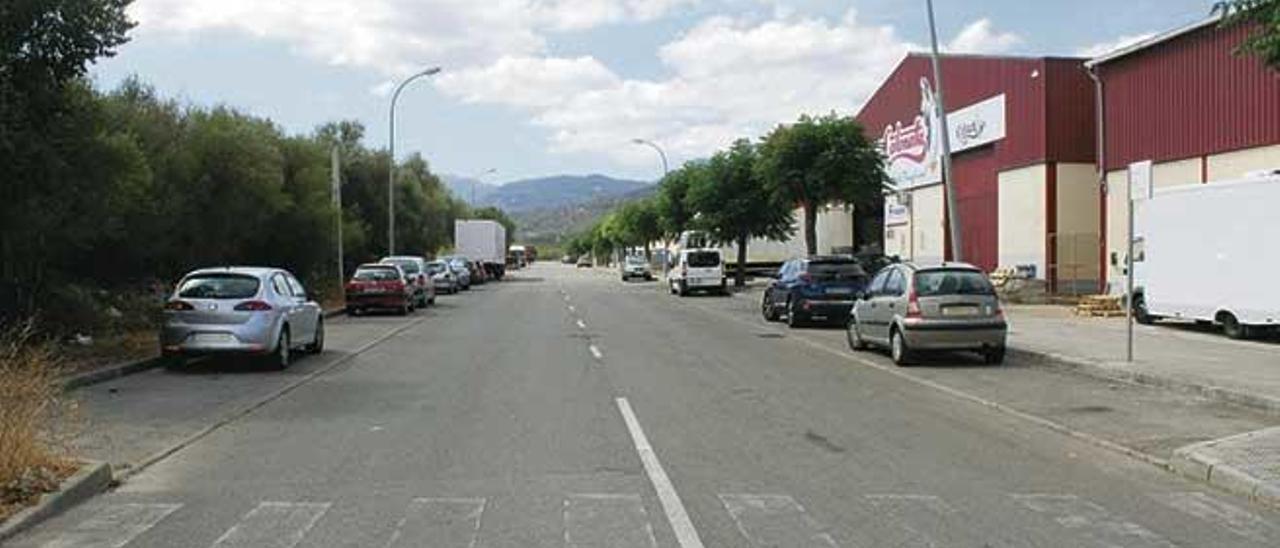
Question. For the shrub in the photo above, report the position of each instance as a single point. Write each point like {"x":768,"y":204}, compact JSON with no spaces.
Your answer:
{"x":31,"y":409}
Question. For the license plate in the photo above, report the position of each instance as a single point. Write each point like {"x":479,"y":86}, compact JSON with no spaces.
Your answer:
{"x":213,"y":338}
{"x":839,"y":290}
{"x":960,"y":310}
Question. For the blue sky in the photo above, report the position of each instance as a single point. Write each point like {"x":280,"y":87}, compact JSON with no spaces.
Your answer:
{"x":541,"y":87}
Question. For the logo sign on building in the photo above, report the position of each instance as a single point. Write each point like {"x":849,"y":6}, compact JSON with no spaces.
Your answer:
{"x":913,"y":153}
{"x":1140,"y":180}
{"x":896,"y":213}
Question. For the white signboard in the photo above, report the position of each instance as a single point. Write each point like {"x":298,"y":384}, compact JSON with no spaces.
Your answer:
{"x":896,"y":213}
{"x":1140,"y":180}
{"x":913,"y":154}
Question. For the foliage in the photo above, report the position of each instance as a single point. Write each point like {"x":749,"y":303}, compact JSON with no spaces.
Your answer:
{"x":670,"y":203}
{"x":817,"y":161}
{"x":30,"y":419}
{"x":1265,"y":41}
{"x":734,"y":205}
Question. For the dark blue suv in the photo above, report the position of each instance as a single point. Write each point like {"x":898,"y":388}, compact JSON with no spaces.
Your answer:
{"x":814,"y":289}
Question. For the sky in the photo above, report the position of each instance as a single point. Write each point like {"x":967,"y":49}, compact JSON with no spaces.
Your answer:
{"x":544,"y":87}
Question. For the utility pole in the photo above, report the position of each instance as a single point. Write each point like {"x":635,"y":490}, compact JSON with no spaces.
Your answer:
{"x":336,"y":171}
{"x":391,"y":170}
{"x":953,"y":215}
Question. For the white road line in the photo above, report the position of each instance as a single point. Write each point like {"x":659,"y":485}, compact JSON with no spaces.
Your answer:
{"x":114,"y":526}
{"x":606,"y":520}
{"x":572,"y":309}
{"x":920,"y":518}
{"x":595,"y":352}
{"x":582,"y":324}
{"x":775,"y":520}
{"x":686,"y":535}
{"x":439,"y":522}
{"x":1233,"y":518}
{"x":1103,"y":526}
{"x":273,"y":525}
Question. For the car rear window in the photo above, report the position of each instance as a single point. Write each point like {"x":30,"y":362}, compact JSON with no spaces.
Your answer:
{"x":409,"y":267}
{"x":704,"y":259}
{"x":435,"y":268}
{"x":635,"y":260}
{"x":374,"y":274}
{"x":952,"y":282}
{"x":843,"y":271}
{"x":219,"y":286}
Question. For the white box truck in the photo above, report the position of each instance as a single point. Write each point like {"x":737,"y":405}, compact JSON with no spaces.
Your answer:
{"x":1208,"y":253}
{"x":484,"y":242}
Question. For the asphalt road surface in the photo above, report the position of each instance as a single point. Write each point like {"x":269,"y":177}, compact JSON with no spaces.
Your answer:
{"x":567,"y":409}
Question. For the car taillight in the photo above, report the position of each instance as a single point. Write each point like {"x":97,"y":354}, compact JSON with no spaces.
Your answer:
{"x":997,"y":311}
{"x":913,"y":305}
{"x":178,"y":305}
{"x":253,"y":306}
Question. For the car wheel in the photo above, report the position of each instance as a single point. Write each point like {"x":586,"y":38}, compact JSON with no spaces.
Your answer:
{"x":281,"y":357}
{"x":1232,"y":327}
{"x":172,"y":361}
{"x":317,"y":345}
{"x":898,"y":348}
{"x":793,"y":319}
{"x":993,"y":355}
{"x":683,"y":289}
{"x":353,"y":311}
{"x":767,"y":310}
{"x":1140,"y":313}
{"x":403,"y":310}
{"x":854,"y":336}
{"x":431,"y":301}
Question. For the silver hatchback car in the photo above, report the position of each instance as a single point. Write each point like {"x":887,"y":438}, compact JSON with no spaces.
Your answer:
{"x":241,"y":310}
{"x":911,"y":307}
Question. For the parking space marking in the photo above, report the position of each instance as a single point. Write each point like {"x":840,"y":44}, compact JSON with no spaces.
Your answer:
{"x":677,"y":516}
{"x":1233,"y":518}
{"x":572,"y":308}
{"x":1103,"y":526}
{"x":605,"y":520}
{"x":114,"y":526}
{"x":582,"y":324}
{"x":775,"y":520}
{"x":273,"y":525}
{"x":595,"y":352}
{"x":921,"y":519}
{"x":441,"y":522}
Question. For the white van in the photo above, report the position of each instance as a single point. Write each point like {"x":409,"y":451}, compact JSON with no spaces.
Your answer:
{"x":697,"y":270}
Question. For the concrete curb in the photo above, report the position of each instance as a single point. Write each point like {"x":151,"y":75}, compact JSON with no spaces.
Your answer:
{"x":1194,"y":461}
{"x":1103,"y":371}
{"x":93,"y":477}
{"x":125,"y":369}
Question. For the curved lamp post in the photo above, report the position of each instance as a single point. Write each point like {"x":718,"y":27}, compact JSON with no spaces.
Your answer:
{"x":391,"y":172}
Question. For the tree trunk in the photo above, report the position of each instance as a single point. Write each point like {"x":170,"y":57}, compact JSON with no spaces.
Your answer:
{"x":810,"y":228}
{"x":648,"y":258}
{"x":740,"y":277}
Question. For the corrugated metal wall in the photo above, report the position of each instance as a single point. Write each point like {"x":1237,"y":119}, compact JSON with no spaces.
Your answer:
{"x":1190,"y":96}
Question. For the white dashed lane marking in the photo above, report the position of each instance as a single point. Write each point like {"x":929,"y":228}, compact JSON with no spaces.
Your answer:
{"x":439,"y":522}
{"x":595,"y":352}
{"x":273,"y":525}
{"x":606,"y":521}
{"x":113,"y":526}
{"x":582,"y":324}
{"x":775,"y":520}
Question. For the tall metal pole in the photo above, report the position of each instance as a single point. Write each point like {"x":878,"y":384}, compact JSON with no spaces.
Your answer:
{"x":337,"y":203}
{"x":476,"y":180}
{"x":1128,"y":282}
{"x":953,"y":215}
{"x":391,"y":170}
{"x":666,"y":260}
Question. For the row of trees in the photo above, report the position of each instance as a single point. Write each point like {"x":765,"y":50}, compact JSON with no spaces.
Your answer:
{"x":124,"y":189}
{"x":751,"y":189}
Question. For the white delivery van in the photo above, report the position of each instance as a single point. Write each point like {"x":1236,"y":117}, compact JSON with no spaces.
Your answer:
{"x":698,"y":269}
{"x":1209,"y":253}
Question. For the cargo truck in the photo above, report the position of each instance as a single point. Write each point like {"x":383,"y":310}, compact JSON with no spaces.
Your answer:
{"x":484,"y":242}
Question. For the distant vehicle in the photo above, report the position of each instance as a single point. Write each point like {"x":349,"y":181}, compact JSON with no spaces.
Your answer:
{"x":530,"y":254}
{"x":461,"y":270}
{"x":584,"y":261}
{"x":415,"y":270}
{"x":814,"y":289}
{"x":697,"y":270}
{"x":241,"y":310}
{"x":442,"y":277}
{"x":567,"y":259}
{"x":380,"y":286}
{"x":1207,"y":253}
{"x":634,"y":266}
{"x":910,"y":307}
{"x":483,"y":242}
{"x":517,"y":256}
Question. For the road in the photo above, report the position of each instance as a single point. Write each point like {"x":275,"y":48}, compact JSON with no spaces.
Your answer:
{"x":564,"y":408}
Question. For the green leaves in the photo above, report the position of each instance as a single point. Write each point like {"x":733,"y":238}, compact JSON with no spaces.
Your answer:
{"x":1265,"y":14}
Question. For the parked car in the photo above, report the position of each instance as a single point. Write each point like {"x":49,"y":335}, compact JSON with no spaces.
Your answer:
{"x":911,"y":307}
{"x":814,"y":289}
{"x":584,"y":261}
{"x":697,"y":270}
{"x":567,"y":259}
{"x":380,"y":286}
{"x":415,"y":270}
{"x":241,"y":310}
{"x":442,"y":277}
{"x":635,"y":266}
{"x":460,"y":271}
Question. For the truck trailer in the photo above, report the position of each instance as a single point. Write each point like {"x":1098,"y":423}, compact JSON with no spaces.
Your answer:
{"x":482,"y":241}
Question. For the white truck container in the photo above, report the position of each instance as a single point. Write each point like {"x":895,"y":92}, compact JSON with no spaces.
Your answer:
{"x":482,"y":241}
{"x":1208,"y":253}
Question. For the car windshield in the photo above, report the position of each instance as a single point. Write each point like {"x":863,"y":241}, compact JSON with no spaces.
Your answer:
{"x":930,"y":283}
{"x":375,"y":274}
{"x":704,"y":259}
{"x":409,"y":267}
{"x":219,"y":286}
{"x":837,"y":271}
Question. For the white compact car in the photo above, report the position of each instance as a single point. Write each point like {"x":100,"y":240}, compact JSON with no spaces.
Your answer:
{"x":697,"y":270}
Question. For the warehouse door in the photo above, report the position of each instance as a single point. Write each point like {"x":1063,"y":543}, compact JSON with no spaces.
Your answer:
{"x":979,"y":206}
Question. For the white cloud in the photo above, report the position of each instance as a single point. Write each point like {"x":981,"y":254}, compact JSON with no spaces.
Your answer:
{"x":528,"y":81}
{"x":1095,"y":50}
{"x":979,"y":37}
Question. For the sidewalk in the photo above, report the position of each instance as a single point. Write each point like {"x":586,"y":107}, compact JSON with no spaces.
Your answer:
{"x":1181,"y":356}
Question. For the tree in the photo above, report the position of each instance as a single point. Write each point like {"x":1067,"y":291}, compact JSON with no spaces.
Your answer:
{"x":1263,"y":42}
{"x":669,"y":203}
{"x":817,"y":161}
{"x":734,"y":205}
{"x":638,"y":224}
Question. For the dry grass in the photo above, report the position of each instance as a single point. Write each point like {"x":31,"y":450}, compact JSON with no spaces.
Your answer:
{"x":31,"y":412}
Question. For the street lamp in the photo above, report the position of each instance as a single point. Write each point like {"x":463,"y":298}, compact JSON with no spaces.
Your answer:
{"x":391,"y":173}
{"x":661,"y":154}
{"x":953,"y":215}
{"x":476,"y":180}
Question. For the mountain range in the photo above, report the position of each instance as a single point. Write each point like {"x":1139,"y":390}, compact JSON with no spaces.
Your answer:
{"x":540,"y":193}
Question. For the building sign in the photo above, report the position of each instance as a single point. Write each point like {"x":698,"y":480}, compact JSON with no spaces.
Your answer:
{"x":896,"y":213}
{"x":913,"y":154}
